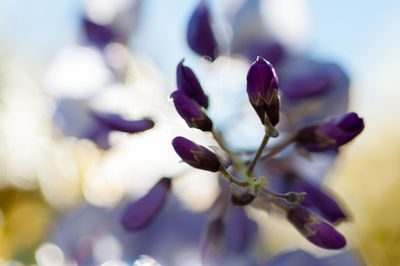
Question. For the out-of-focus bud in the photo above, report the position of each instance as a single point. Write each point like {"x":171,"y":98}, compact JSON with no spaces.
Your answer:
{"x":314,"y":229}
{"x":242,"y":199}
{"x":195,"y":155}
{"x":191,"y":112}
{"x":140,"y":213}
{"x":188,"y":84}
{"x":213,"y":243}
{"x":319,"y":200}
{"x":200,"y":36}
{"x":271,"y":50}
{"x":116,"y":122}
{"x":99,"y":35}
{"x":262,"y":89}
{"x":330,"y":135}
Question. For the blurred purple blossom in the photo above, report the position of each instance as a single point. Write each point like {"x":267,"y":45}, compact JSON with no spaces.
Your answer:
{"x":314,"y":229}
{"x":200,"y":36}
{"x":141,"y":212}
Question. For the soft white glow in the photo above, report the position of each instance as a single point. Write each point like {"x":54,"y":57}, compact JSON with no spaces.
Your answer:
{"x":49,"y":254}
{"x":104,"y":11}
{"x":114,"y":263}
{"x":107,"y":248}
{"x":289,"y":20}
{"x":145,"y":260}
{"x":77,"y":72}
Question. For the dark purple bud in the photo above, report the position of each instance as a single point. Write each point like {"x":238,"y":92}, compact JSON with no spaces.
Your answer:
{"x":331,"y":135}
{"x":314,"y":229}
{"x":195,"y":155}
{"x":319,"y":200}
{"x":188,"y":84}
{"x":140,"y":213}
{"x":191,"y":112}
{"x":213,"y":243}
{"x":116,"y":122}
{"x":262,"y":89}
{"x":98,"y":35}
{"x":199,"y":33}
{"x":242,"y":199}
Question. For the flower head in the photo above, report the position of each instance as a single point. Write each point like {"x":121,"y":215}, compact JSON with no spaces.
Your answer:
{"x":332,"y":134}
{"x":195,"y":155}
{"x":314,"y":229}
{"x":262,"y":89}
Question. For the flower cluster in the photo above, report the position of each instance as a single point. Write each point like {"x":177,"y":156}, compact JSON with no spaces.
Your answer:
{"x":309,"y":208}
{"x":269,"y":177}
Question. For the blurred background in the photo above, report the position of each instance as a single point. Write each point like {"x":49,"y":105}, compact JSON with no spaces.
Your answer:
{"x":55,"y":64}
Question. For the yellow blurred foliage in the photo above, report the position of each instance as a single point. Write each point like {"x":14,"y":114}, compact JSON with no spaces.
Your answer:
{"x":25,"y":219}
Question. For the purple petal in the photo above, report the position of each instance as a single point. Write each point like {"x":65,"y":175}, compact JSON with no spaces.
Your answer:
{"x":314,"y":229}
{"x":343,"y":131}
{"x":312,"y":91}
{"x":195,"y":155}
{"x":99,"y":35}
{"x":309,"y":85}
{"x":319,"y":200}
{"x":261,"y":81}
{"x":332,"y":134}
{"x":116,"y":122}
{"x":185,"y":148}
{"x":351,"y":123}
{"x":188,"y":84}
{"x":190,"y":111}
{"x":143,"y":211}
{"x":199,"y":33}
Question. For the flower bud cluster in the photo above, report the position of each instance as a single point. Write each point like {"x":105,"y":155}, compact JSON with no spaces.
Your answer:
{"x":263,"y":181}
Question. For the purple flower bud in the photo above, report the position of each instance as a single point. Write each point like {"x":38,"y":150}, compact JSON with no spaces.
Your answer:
{"x":214,"y":240}
{"x":188,"y":84}
{"x":140,"y":213}
{"x":314,"y":229}
{"x":195,"y":155}
{"x":242,"y":199}
{"x":319,"y":201}
{"x":199,"y":33}
{"x":116,"y":122}
{"x":262,"y":88}
{"x":331,"y":135}
{"x":191,"y":112}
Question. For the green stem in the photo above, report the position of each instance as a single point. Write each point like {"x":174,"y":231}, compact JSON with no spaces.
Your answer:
{"x":237,"y":163}
{"x":277,"y":148}
{"x":258,"y":154}
{"x":232,"y":179}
